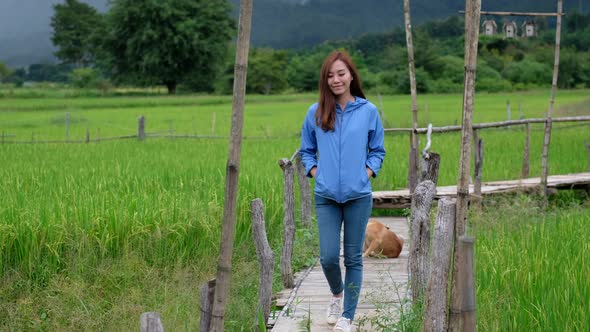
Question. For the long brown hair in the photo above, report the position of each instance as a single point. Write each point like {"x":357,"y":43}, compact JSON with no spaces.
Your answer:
{"x":325,"y":115}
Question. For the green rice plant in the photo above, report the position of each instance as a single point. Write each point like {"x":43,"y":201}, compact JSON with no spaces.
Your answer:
{"x":532,"y":268}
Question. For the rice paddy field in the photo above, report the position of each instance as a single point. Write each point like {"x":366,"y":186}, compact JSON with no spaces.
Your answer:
{"x":93,"y":234}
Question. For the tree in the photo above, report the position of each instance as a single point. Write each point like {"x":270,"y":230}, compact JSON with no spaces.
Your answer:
{"x":4,"y":72}
{"x":166,"y":42}
{"x":73,"y":26}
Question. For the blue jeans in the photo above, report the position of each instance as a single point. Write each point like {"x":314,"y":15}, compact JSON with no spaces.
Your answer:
{"x":354,"y":215}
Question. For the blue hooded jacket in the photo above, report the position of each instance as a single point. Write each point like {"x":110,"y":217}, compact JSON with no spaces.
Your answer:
{"x":355,"y":144}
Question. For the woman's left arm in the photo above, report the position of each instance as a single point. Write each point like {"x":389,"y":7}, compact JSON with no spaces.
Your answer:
{"x":375,"y":144}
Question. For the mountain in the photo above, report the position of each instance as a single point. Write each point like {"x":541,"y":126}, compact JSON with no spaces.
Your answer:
{"x":25,"y":32}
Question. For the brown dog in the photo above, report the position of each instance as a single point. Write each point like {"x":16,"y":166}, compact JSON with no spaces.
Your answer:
{"x":379,"y":240}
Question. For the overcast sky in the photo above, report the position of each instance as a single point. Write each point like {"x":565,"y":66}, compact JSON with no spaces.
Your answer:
{"x":23,"y":17}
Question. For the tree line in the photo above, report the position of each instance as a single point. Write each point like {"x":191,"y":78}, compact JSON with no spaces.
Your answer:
{"x":187,"y":44}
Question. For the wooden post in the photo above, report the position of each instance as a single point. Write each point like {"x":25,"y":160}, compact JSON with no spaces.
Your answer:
{"x":508,"y":113}
{"x":305,"y":189}
{"x":548,"y":123}
{"x":527,"y":153}
{"x":413,"y":162}
{"x":140,"y":128}
{"x":265,"y":257}
{"x":435,"y":312}
{"x":150,"y":322}
{"x":420,"y":238}
{"x":232,"y":168}
{"x":478,"y":170}
{"x":430,"y":165}
{"x":467,"y":281}
{"x":472,"y":16}
{"x":207,"y":296}
{"x":288,"y":222}
{"x":87,"y":135}
{"x":67,"y":126}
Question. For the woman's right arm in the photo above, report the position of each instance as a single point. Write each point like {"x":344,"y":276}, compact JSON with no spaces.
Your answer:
{"x":309,"y":148}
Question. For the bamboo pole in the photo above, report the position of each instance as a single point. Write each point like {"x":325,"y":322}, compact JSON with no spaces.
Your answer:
{"x":472,"y":16}
{"x":232,"y":168}
{"x":466,"y":248}
{"x":548,"y":124}
{"x":413,"y":160}
{"x":527,"y":153}
{"x":207,"y":295}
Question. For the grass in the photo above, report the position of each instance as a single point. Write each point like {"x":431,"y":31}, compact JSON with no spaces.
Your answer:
{"x":91,"y":235}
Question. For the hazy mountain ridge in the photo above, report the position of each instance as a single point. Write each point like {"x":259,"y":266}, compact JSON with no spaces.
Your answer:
{"x":25,"y":31}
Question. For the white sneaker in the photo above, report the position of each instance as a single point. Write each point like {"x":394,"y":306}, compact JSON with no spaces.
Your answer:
{"x":343,"y":325}
{"x":333,"y":311}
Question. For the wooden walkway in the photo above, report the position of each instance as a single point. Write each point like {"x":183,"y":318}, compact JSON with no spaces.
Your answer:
{"x":399,"y":199}
{"x":303,"y":308}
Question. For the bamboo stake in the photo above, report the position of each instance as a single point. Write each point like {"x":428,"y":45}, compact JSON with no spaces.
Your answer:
{"x":548,"y":124}
{"x":232,"y":168}
{"x":472,"y":16}
{"x":413,"y":160}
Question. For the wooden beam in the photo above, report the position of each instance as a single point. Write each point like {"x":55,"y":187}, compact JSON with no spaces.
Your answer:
{"x":516,"y":13}
{"x":484,"y":125}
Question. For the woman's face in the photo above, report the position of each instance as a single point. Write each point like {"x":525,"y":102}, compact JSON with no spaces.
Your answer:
{"x":339,"y":79}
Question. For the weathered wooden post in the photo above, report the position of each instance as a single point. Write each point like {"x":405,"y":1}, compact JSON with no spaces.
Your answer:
{"x":265,"y":257}
{"x":150,"y":322}
{"x":140,"y":128}
{"x":67,"y":126}
{"x":414,"y":158}
{"x":87,"y":135}
{"x":479,"y":150}
{"x":232,"y":168}
{"x":419,"y":258}
{"x":305,"y":190}
{"x":430,"y":163}
{"x":548,"y":122}
{"x":472,"y":16}
{"x":527,"y":152}
{"x":508,"y":113}
{"x":207,"y":297}
{"x":435,"y":312}
{"x":288,"y":222}
{"x":466,"y":280}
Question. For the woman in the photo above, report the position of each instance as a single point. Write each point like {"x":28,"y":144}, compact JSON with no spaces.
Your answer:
{"x":342,"y":148}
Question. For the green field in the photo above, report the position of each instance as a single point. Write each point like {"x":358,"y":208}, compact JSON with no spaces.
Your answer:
{"x":92,"y":235}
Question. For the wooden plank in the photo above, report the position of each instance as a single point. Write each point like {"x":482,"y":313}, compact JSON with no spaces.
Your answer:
{"x":402,"y":199}
{"x":308,"y":300}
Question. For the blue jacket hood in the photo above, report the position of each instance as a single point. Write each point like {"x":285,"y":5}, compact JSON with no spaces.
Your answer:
{"x":355,"y":144}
